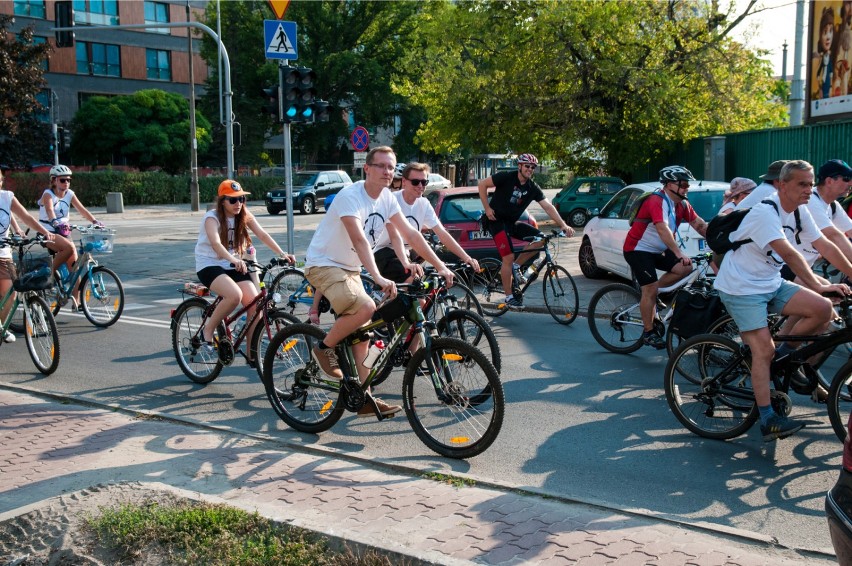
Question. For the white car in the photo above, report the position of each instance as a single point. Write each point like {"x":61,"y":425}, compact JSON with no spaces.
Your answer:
{"x":601,"y":250}
{"x":438,"y":182}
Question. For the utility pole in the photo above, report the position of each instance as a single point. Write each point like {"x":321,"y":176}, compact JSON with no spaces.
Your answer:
{"x":797,"y":88}
{"x":193,"y":138}
{"x":54,"y":131}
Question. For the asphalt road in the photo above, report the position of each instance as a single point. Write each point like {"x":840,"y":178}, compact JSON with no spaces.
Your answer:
{"x":581,"y":423}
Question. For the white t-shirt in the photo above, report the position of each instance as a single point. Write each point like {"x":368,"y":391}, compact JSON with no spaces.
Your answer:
{"x":754,"y":268}
{"x":420,"y":215}
{"x":61,"y":208}
{"x":331,"y":246}
{"x":761,"y":192}
{"x":205,"y":255}
{"x":5,"y":220}
{"x":823,"y":218}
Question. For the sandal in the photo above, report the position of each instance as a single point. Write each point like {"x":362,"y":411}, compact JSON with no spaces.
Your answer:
{"x":314,"y":316}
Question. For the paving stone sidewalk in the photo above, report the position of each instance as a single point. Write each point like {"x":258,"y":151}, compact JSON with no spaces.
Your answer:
{"x":49,"y":448}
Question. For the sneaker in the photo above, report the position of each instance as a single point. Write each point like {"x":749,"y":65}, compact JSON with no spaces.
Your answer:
{"x":778,"y":427}
{"x":515,"y":304}
{"x":653,"y":339}
{"x":385,"y":409}
{"x":8,"y":337}
{"x":327,"y":360}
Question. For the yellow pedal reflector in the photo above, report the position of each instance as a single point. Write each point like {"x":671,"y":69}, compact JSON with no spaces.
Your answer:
{"x":460,"y":439}
{"x":289,"y":345}
{"x":326,"y":408}
{"x":452,"y":357}
{"x":501,"y":306}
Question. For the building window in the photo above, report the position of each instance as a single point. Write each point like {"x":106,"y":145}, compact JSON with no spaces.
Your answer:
{"x":156,"y":13}
{"x":157,"y":65}
{"x":29,"y":8}
{"x":96,"y":12}
{"x":98,"y":59}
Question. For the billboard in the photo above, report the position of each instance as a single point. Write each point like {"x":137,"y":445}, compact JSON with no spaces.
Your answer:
{"x":829,"y":80}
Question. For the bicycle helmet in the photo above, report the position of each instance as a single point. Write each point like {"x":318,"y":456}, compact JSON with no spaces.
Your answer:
{"x":527,"y":158}
{"x":674,"y":173}
{"x":60,"y":171}
{"x":397,"y":173}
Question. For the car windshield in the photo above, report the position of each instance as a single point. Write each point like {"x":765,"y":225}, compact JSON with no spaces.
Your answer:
{"x":706,"y":203}
{"x":461,"y":209}
{"x":303,"y":179}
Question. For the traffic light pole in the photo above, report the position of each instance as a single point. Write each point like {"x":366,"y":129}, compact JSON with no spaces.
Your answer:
{"x":288,"y":163}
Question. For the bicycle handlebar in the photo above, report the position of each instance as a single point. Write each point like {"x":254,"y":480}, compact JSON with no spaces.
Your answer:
{"x":18,"y":240}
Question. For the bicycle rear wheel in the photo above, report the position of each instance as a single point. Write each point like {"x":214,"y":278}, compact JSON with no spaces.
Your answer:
{"x":840,"y":400}
{"x":296,"y":387}
{"x":262,"y":335}
{"x":297,"y":295}
{"x":102,"y":296}
{"x":187,"y":339}
{"x":472,"y":328}
{"x":721,"y":404}
{"x":487,"y":287}
{"x":560,"y":294}
{"x":437,"y":393}
{"x":40,"y":334}
{"x":614,"y":318}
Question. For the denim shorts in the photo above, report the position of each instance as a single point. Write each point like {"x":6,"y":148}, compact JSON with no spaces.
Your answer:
{"x":750,"y":311}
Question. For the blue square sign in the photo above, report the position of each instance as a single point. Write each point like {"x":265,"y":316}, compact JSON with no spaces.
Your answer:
{"x":280,"y":40}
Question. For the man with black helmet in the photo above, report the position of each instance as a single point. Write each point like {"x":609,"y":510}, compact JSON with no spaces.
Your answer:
{"x":646,"y":250}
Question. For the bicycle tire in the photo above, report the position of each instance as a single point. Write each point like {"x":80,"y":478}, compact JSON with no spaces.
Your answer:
{"x":473,"y":329}
{"x":839,"y":401}
{"x":710,"y":409}
{"x":614,"y":318}
{"x":487,"y":287}
{"x":186,"y":342}
{"x":440,"y":412}
{"x":41,"y":335}
{"x":464,"y":298}
{"x":289,"y":283}
{"x":290,"y":376}
{"x":102,"y":296}
{"x":260,"y":339}
{"x":560,"y":294}
{"x":18,"y":324}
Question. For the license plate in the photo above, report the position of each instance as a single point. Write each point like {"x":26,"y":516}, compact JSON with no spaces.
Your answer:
{"x":278,"y":200}
{"x":479,"y":235}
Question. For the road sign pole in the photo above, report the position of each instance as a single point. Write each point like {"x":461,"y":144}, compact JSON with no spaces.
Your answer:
{"x":288,"y":167}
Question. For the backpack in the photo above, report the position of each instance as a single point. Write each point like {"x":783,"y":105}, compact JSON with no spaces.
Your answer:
{"x":720,"y":229}
{"x":637,"y":204}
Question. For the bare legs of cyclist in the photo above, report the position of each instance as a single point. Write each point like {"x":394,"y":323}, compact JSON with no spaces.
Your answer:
{"x":232,"y":294}
{"x":648,"y":301}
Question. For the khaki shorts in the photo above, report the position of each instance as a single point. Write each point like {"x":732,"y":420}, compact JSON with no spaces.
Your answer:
{"x":7,"y":269}
{"x":343,"y":289}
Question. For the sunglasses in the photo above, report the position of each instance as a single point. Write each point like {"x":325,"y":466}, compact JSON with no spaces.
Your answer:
{"x":680,"y":184}
{"x":527,"y":166}
{"x":235,"y":200}
{"x":420,"y":182}
{"x":63,"y":181}
{"x":844,"y":177}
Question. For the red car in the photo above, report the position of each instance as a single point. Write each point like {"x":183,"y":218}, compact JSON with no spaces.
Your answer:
{"x":459,"y":211}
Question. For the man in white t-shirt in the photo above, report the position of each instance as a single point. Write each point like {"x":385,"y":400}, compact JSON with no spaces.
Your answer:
{"x":394,"y":263}
{"x":343,"y":242}
{"x":750,"y":283}
{"x":833,"y":181}
{"x":767,"y":188}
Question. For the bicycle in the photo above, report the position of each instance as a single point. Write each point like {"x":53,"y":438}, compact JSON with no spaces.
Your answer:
{"x":452,"y":395}
{"x":101,"y":291}
{"x":615,"y":320}
{"x":560,"y":291}
{"x":708,"y":381}
{"x":188,"y":319}
{"x":39,"y":326}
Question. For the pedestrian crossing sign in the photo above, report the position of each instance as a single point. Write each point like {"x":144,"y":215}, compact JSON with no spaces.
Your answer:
{"x":280,"y":40}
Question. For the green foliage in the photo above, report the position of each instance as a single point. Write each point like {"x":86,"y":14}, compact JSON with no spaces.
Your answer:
{"x":149,"y":128}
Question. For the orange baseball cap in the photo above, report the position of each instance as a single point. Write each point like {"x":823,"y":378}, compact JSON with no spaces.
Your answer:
{"x":231,"y":188}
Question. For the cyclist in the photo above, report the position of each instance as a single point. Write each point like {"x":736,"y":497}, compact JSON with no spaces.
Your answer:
{"x":513,"y":193}
{"x":54,"y":209}
{"x":647,"y":250}
{"x":9,"y":205}
{"x":223,"y":238}
{"x":750,"y":283}
{"x":396,"y":183}
{"x":739,"y":190}
{"x":767,"y":188}
{"x":343,"y":243}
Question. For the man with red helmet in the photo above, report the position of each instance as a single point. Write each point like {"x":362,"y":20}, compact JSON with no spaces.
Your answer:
{"x":513,"y":193}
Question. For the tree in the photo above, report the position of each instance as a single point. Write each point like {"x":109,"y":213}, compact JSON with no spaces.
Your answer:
{"x":591,"y":84}
{"x":23,"y":138}
{"x":148,"y":128}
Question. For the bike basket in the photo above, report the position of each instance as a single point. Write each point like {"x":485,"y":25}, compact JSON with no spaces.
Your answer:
{"x":37,"y":280}
{"x":99,"y":242}
{"x":395,"y":309}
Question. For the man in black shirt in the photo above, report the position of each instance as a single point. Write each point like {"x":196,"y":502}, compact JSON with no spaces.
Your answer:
{"x":513,"y":193}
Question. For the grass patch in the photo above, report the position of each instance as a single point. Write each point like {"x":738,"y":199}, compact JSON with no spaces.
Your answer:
{"x":450,"y":480}
{"x":188,"y":532}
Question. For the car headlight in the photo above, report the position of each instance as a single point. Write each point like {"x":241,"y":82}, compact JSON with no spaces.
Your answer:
{"x":268,"y":195}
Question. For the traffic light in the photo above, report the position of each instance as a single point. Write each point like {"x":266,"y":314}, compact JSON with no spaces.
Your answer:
{"x":272,"y":102}
{"x":60,"y":139}
{"x":321,"y":111}
{"x":298,"y":94}
{"x":63,"y":17}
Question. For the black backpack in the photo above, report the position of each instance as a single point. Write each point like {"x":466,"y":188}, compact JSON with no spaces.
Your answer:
{"x":720,"y":229}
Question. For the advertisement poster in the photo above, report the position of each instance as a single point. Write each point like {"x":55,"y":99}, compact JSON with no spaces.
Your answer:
{"x":829,"y":81}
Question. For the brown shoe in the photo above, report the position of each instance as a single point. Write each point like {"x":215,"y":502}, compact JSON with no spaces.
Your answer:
{"x":385,"y":409}
{"x":327,"y":360}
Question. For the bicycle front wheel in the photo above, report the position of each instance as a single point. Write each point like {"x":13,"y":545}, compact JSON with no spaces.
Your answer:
{"x":296,"y":387}
{"x":560,"y":294}
{"x":40,"y":334}
{"x":437,"y":390}
{"x":263,"y":333}
{"x":487,"y":287}
{"x":719,"y":405}
{"x":186,"y":342}
{"x":615,"y":320}
{"x":102,"y":296}
{"x":840,"y":400}
{"x":297,"y":295}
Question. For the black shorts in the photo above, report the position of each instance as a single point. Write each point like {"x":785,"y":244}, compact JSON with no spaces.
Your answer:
{"x":646,"y":264}
{"x":503,"y":232}
{"x":209,"y":274}
{"x":389,"y":265}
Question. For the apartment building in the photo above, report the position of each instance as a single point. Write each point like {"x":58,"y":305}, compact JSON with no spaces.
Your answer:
{"x":111,"y":62}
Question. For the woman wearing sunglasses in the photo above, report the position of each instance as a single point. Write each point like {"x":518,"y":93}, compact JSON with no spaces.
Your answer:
{"x":54,"y":209}
{"x":222,"y":241}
